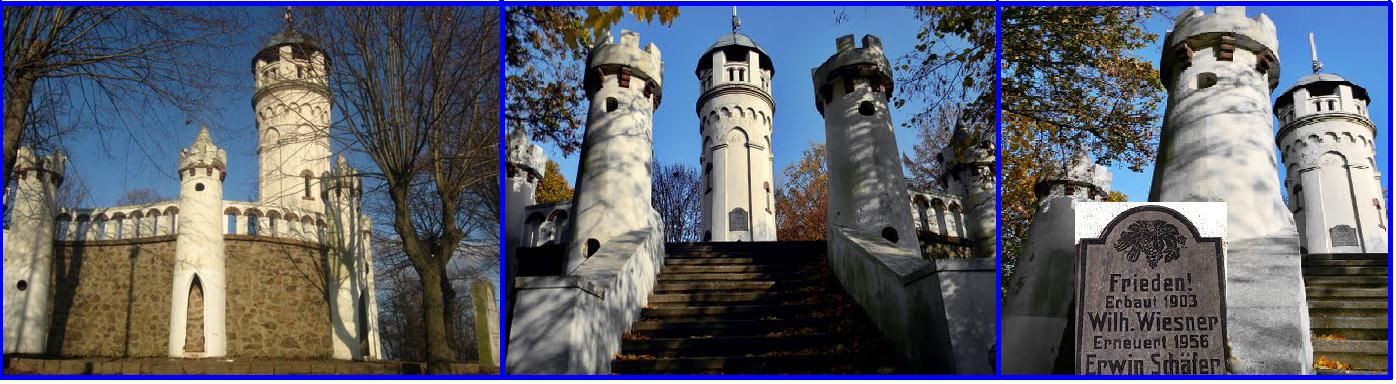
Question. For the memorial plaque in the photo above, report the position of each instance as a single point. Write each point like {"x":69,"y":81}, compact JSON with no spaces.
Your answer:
{"x":1343,"y":236}
{"x":1150,"y":298}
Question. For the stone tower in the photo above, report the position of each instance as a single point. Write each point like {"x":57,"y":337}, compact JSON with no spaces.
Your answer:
{"x":867,"y":190}
{"x":1327,"y":141}
{"x":972,"y":170}
{"x":292,"y":102}
{"x":1219,"y":70}
{"x":735,"y":110}
{"x":29,"y":250}
{"x":623,"y":84}
{"x":1037,"y":307}
{"x":198,"y":296}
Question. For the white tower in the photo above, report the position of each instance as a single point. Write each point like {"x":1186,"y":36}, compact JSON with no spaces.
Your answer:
{"x":973,"y":172}
{"x":347,"y":238}
{"x":198,"y":297}
{"x":623,"y":84}
{"x":867,"y":190}
{"x":735,"y":110}
{"x":1219,"y":70}
{"x":292,"y":102}
{"x":1327,"y":141}
{"x":29,"y":251}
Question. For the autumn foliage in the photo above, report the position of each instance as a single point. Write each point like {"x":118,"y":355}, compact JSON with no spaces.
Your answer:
{"x":802,"y":202}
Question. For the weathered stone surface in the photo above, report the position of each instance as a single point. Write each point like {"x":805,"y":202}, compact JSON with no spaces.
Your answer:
{"x":1150,"y":297}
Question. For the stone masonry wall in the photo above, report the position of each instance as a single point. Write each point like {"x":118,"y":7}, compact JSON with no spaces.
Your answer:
{"x":112,"y":298}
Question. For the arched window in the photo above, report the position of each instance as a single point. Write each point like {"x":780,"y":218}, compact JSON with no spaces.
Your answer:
{"x":61,"y":232}
{"x":708,"y":178}
{"x":9,"y":203}
{"x":252,"y":224}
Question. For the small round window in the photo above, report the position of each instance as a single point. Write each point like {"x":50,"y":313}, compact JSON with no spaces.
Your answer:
{"x":22,"y":285}
{"x":612,"y":104}
{"x":867,"y":108}
{"x":199,"y":187}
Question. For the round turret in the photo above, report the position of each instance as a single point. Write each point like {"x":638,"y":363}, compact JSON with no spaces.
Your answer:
{"x":736,"y":113}
{"x":1081,"y":179}
{"x":867,"y":189}
{"x":198,"y":296}
{"x":292,"y":103}
{"x":623,"y":85}
{"x":1327,"y":142}
{"x":1219,"y":70}
{"x":29,"y":250}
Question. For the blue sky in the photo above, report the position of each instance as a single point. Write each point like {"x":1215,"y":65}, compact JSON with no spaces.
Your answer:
{"x":1353,"y":42}
{"x":797,"y":38}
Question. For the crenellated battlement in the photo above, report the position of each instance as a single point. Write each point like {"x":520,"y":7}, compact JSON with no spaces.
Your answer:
{"x":1221,"y":34}
{"x":45,"y":168}
{"x":627,"y":61}
{"x":524,"y":158}
{"x":203,"y":155}
{"x":850,"y":66}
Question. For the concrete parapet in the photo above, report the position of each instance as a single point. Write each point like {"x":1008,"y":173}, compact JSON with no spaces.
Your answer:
{"x":573,"y":324}
{"x":933,"y":311}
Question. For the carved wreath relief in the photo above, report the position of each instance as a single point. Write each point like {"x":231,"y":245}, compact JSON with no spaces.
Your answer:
{"x":1155,"y":239}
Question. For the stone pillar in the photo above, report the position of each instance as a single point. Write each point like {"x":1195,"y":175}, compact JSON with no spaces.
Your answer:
{"x":29,"y":251}
{"x":623,"y":84}
{"x":1037,"y":309}
{"x":1219,"y":70}
{"x":867,"y":189}
{"x":199,"y":259}
{"x":486,"y":322}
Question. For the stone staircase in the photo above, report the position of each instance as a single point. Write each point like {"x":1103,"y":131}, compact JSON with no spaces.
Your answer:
{"x":1347,"y":295}
{"x":762,"y":307}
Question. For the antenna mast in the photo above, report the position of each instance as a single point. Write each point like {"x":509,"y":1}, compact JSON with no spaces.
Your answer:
{"x":736,"y":23}
{"x":1313,"y":54}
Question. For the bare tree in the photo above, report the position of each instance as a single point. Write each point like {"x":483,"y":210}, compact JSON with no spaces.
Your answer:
{"x":677,"y":196}
{"x":123,"y":61}
{"x":418,"y":91}
{"x":140,"y":196}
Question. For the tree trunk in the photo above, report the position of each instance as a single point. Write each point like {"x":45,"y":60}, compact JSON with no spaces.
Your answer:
{"x":439,"y":354}
{"x":17,"y":99}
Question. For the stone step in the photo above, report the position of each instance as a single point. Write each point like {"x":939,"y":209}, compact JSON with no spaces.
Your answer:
{"x":732,"y":311}
{"x":1347,"y":256}
{"x":1346,"y":304}
{"x":1348,"y":322}
{"x":1346,"y":308}
{"x":1345,"y":263}
{"x":783,"y":364}
{"x":1350,"y":346}
{"x":1353,"y":333}
{"x":1347,"y":372}
{"x":743,"y":259}
{"x":1344,"y":271}
{"x":749,"y":297}
{"x":724,"y":345}
{"x":47,"y":365}
{"x":755,"y":327}
{"x":729,"y":268}
{"x":1324,"y":292}
{"x":753,"y":276}
{"x":752,"y":246}
{"x":1350,"y":281}
{"x":1358,"y":361}
{"x":667,"y":286}
{"x":670,"y":262}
